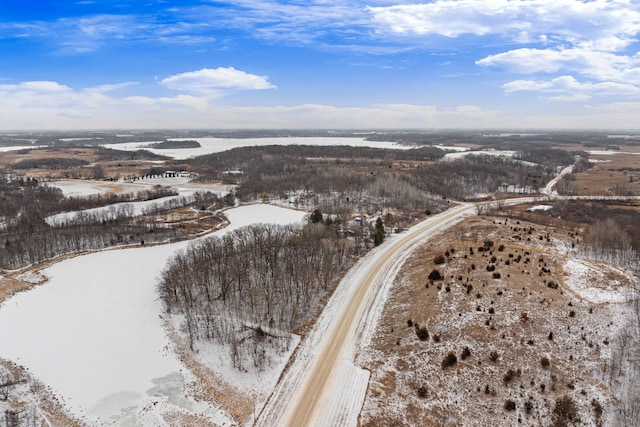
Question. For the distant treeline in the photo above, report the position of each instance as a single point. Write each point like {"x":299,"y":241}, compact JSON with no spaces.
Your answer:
{"x":107,"y":154}
{"x":175,"y":144}
{"x":49,"y":163}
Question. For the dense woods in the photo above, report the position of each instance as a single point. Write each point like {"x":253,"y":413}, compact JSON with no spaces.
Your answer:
{"x":251,"y":287}
{"x":348,"y":179}
{"x":175,"y":144}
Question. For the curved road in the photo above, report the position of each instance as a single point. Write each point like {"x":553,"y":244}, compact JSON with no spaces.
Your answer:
{"x":302,"y":394}
{"x":307,"y":392}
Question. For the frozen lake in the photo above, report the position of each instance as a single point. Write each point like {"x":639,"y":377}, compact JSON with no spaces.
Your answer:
{"x":93,"y":332}
{"x":216,"y":145}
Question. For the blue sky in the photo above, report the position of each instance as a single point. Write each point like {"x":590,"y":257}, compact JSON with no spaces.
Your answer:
{"x":100,"y":64}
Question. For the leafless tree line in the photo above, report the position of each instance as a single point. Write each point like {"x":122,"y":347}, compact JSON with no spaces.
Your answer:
{"x":330,"y":171}
{"x":606,"y":241}
{"x":26,"y":238}
{"x":251,"y":287}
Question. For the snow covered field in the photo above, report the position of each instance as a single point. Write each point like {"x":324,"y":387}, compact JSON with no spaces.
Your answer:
{"x":93,"y":333}
{"x":460,"y":154}
{"x":79,"y":188}
{"x":216,"y":145}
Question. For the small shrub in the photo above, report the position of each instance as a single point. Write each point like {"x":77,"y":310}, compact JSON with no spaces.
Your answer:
{"x":422,"y":333}
{"x":466,"y":352}
{"x":508,"y":377}
{"x":449,"y":360}
{"x":493,"y":356}
{"x":510,"y":405}
{"x":435,"y":275}
{"x":572,"y":313}
{"x":565,"y":412}
{"x":545,"y":362}
{"x":488,"y":243}
{"x":496,"y":275}
{"x":439,"y":259}
{"x":422,"y":391}
{"x":552,"y":285}
{"x":491,"y":267}
{"x":409,"y":323}
{"x":436,"y":338}
{"x":501,"y":248}
{"x":597,"y":409}
{"x":491,"y":310}
{"x":528,"y":406}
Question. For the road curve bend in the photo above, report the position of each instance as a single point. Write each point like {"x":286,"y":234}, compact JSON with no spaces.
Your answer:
{"x":301,"y":395}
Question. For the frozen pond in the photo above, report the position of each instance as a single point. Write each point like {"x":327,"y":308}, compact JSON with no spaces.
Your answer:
{"x":93,"y":332}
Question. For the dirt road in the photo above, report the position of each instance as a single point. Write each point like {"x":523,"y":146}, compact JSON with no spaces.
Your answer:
{"x":305,"y":390}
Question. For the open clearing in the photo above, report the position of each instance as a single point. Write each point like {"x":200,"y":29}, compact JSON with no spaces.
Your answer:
{"x":539,"y":326}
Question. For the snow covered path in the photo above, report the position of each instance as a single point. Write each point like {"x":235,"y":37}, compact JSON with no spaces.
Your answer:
{"x":313,"y":391}
{"x":548,"y":189}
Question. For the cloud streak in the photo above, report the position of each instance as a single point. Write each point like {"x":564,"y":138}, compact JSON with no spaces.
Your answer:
{"x":213,"y":83}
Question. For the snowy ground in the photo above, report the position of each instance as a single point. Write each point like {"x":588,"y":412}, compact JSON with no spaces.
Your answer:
{"x":215,"y":145}
{"x":597,"y":283}
{"x":20,"y":147}
{"x":460,"y":154}
{"x":79,"y":188}
{"x":93,"y":333}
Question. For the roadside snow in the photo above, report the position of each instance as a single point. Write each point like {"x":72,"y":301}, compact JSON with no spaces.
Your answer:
{"x":94,"y":334}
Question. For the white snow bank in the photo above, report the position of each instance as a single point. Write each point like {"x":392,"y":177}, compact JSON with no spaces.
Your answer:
{"x":540,"y":208}
{"x":608,"y":153}
{"x":461,"y":154}
{"x":597,"y":283}
{"x":20,"y":147}
{"x":93,"y":333}
{"x":342,"y":407}
{"x":262,"y":213}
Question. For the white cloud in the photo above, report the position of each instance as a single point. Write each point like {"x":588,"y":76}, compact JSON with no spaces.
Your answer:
{"x":578,"y":97}
{"x":606,"y":24}
{"x":111,"y":87}
{"x":586,"y":38}
{"x":590,"y":63}
{"x":213,"y":83}
{"x":49,"y":105}
{"x":568,"y":88}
